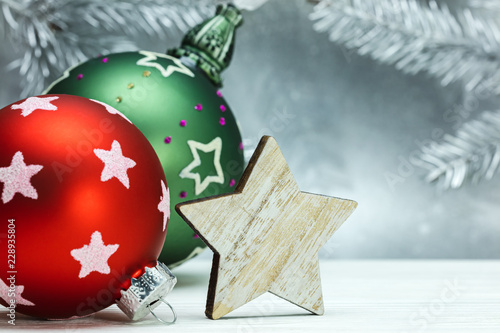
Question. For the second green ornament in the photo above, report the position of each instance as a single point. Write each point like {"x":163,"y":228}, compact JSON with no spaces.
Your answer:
{"x":174,"y":100}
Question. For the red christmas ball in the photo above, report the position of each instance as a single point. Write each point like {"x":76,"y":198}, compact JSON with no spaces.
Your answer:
{"x":84,"y":206}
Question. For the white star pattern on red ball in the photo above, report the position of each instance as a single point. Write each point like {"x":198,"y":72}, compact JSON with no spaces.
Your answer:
{"x":115,"y":164}
{"x":111,"y":109}
{"x":35,"y":103}
{"x":17,"y":178}
{"x":164,"y":205}
{"x":18,"y":290}
{"x":94,"y":257}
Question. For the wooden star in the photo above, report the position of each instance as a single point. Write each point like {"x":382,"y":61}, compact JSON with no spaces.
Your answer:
{"x":266,"y":236}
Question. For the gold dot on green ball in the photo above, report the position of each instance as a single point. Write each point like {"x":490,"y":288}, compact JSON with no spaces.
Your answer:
{"x":130,"y":86}
{"x":146,"y":73}
{"x":118,"y":99}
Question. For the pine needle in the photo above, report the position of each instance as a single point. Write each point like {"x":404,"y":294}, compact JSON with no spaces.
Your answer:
{"x":417,"y":37}
{"x":57,"y":34}
{"x":486,"y":5}
{"x":471,"y":155}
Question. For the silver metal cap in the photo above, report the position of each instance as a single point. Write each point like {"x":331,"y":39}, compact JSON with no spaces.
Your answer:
{"x":146,"y":291}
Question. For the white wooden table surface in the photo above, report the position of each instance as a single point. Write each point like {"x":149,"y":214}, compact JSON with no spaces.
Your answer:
{"x":360,"y":296}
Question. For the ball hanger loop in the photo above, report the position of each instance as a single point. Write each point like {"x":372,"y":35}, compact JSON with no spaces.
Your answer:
{"x":161,"y":320}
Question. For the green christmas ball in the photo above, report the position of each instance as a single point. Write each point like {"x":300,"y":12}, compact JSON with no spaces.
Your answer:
{"x":183,"y":115}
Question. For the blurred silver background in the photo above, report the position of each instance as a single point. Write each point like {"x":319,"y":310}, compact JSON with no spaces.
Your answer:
{"x":346,"y":125}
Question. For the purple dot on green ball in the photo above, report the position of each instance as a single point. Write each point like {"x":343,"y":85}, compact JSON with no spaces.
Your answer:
{"x":198,"y":107}
{"x":79,"y":76}
{"x":232,"y":182}
{"x":182,"y":123}
{"x":241,"y":145}
{"x":105,"y":60}
{"x":222,"y":121}
{"x":219,"y":93}
{"x":195,"y":236}
{"x":168,"y":139}
{"x":223,"y":108}
{"x":183,"y":194}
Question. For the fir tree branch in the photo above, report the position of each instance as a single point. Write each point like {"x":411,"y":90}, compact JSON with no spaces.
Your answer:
{"x":486,"y":5}
{"x":472,"y":154}
{"x":416,"y":37}
{"x":249,"y":4}
{"x":57,"y":34}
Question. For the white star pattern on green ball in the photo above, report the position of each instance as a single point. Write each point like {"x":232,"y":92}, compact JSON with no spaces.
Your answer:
{"x":216,"y":146}
{"x":115,"y":164}
{"x":17,"y":178}
{"x":164,"y":205}
{"x":5,"y":291}
{"x":35,"y":103}
{"x":149,"y":61}
{"x":94,"y":257}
